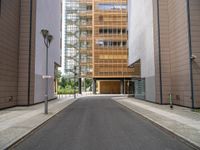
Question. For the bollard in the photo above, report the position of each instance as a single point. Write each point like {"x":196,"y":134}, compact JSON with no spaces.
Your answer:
{"x":170,"y":101}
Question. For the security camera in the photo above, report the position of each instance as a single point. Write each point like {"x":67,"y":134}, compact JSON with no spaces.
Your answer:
{"x":193,"y":57}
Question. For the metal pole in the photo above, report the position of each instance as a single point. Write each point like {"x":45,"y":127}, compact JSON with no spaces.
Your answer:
{"x":74,"y":82}
{"x":46,"y":95}
{"x":74,"y":87}
{"x":170,"y":101}
{"x":84,"y":85}
{"x":47,"y":40}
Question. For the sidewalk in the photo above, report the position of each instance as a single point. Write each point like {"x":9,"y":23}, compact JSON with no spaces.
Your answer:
{"x":17,"y":122}
{"x":180,"y":121}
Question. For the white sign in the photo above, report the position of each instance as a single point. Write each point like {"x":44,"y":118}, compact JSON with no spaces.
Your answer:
{"x":47,"y":77}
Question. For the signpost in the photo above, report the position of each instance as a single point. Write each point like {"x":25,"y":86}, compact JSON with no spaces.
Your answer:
{"x":47,"y":41}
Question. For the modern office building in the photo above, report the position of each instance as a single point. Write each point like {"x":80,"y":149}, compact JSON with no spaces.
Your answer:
{"x":164,"y":39}
{"x":22,"y":51}
{"x":71,"y":36}
{"x":96,"y":40}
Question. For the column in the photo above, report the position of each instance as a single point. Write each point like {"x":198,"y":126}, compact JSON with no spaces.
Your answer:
{"x":79,"y":86}
{"x":122,"y":86}
{"x":94,"y":86}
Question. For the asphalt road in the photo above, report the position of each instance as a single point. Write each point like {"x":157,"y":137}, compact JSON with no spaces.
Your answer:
{"x":99,"y":123}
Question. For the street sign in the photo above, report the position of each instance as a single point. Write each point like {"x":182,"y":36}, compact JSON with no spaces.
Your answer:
{"x":47,"y":77}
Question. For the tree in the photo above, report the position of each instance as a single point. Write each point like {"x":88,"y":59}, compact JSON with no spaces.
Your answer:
{"x":88,"y":83}
{"x":63,"y":82}
{"x":58,"y":74}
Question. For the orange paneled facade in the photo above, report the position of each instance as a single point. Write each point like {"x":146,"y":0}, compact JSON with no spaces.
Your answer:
{"x":103,"y":36}
{"x":110,"y":53}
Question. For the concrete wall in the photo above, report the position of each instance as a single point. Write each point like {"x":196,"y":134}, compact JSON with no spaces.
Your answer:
{"x":48,"y":16}
{"x":174,"y":47}
{"x":174,"y":51}
{"x":17,"y":78}
{"x":164,"y":50}
{"x":26,"y":53}
{"x":156,"y":52}
{"x":150,"y":89}
{"x":195,"y":33}
{"x":179,"y":53}
{"x":141,"y":42}
{"x":173,"y":56}
{"x":22,"y":58}
{"x":9,"y":36}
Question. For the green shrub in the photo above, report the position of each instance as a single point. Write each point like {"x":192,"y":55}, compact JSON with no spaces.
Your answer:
{"x":66,"y":90}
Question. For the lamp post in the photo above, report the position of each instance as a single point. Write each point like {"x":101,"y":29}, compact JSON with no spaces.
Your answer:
{"x":47,"y":41}
{"x":75,"y":82}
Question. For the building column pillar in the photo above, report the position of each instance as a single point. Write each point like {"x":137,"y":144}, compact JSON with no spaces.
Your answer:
{"x":94,"y":86}
{"x":122,"y":86}
{"x":79,"y":86}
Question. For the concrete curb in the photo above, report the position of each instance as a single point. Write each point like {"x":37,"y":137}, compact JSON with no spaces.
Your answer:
{"x":166,"y":129}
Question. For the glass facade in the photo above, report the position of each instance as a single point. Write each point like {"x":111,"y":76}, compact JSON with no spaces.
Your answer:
{"x":112,"y":6}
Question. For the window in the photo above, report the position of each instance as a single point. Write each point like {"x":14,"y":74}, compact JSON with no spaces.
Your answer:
{"x":114,"y":31}
{"x":119,"y":31}
{"x":100,"y":31}
{"x":115,"y":43}
{"x":109,"y":43}
{"x":111,"y":6}
{"x":89,"y":7}
{"x":124,"y":43}
{"x":100,"y":18}
{"x":103,"y":43}
{"x":123,"y":31}
{"x":100,"y":43}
